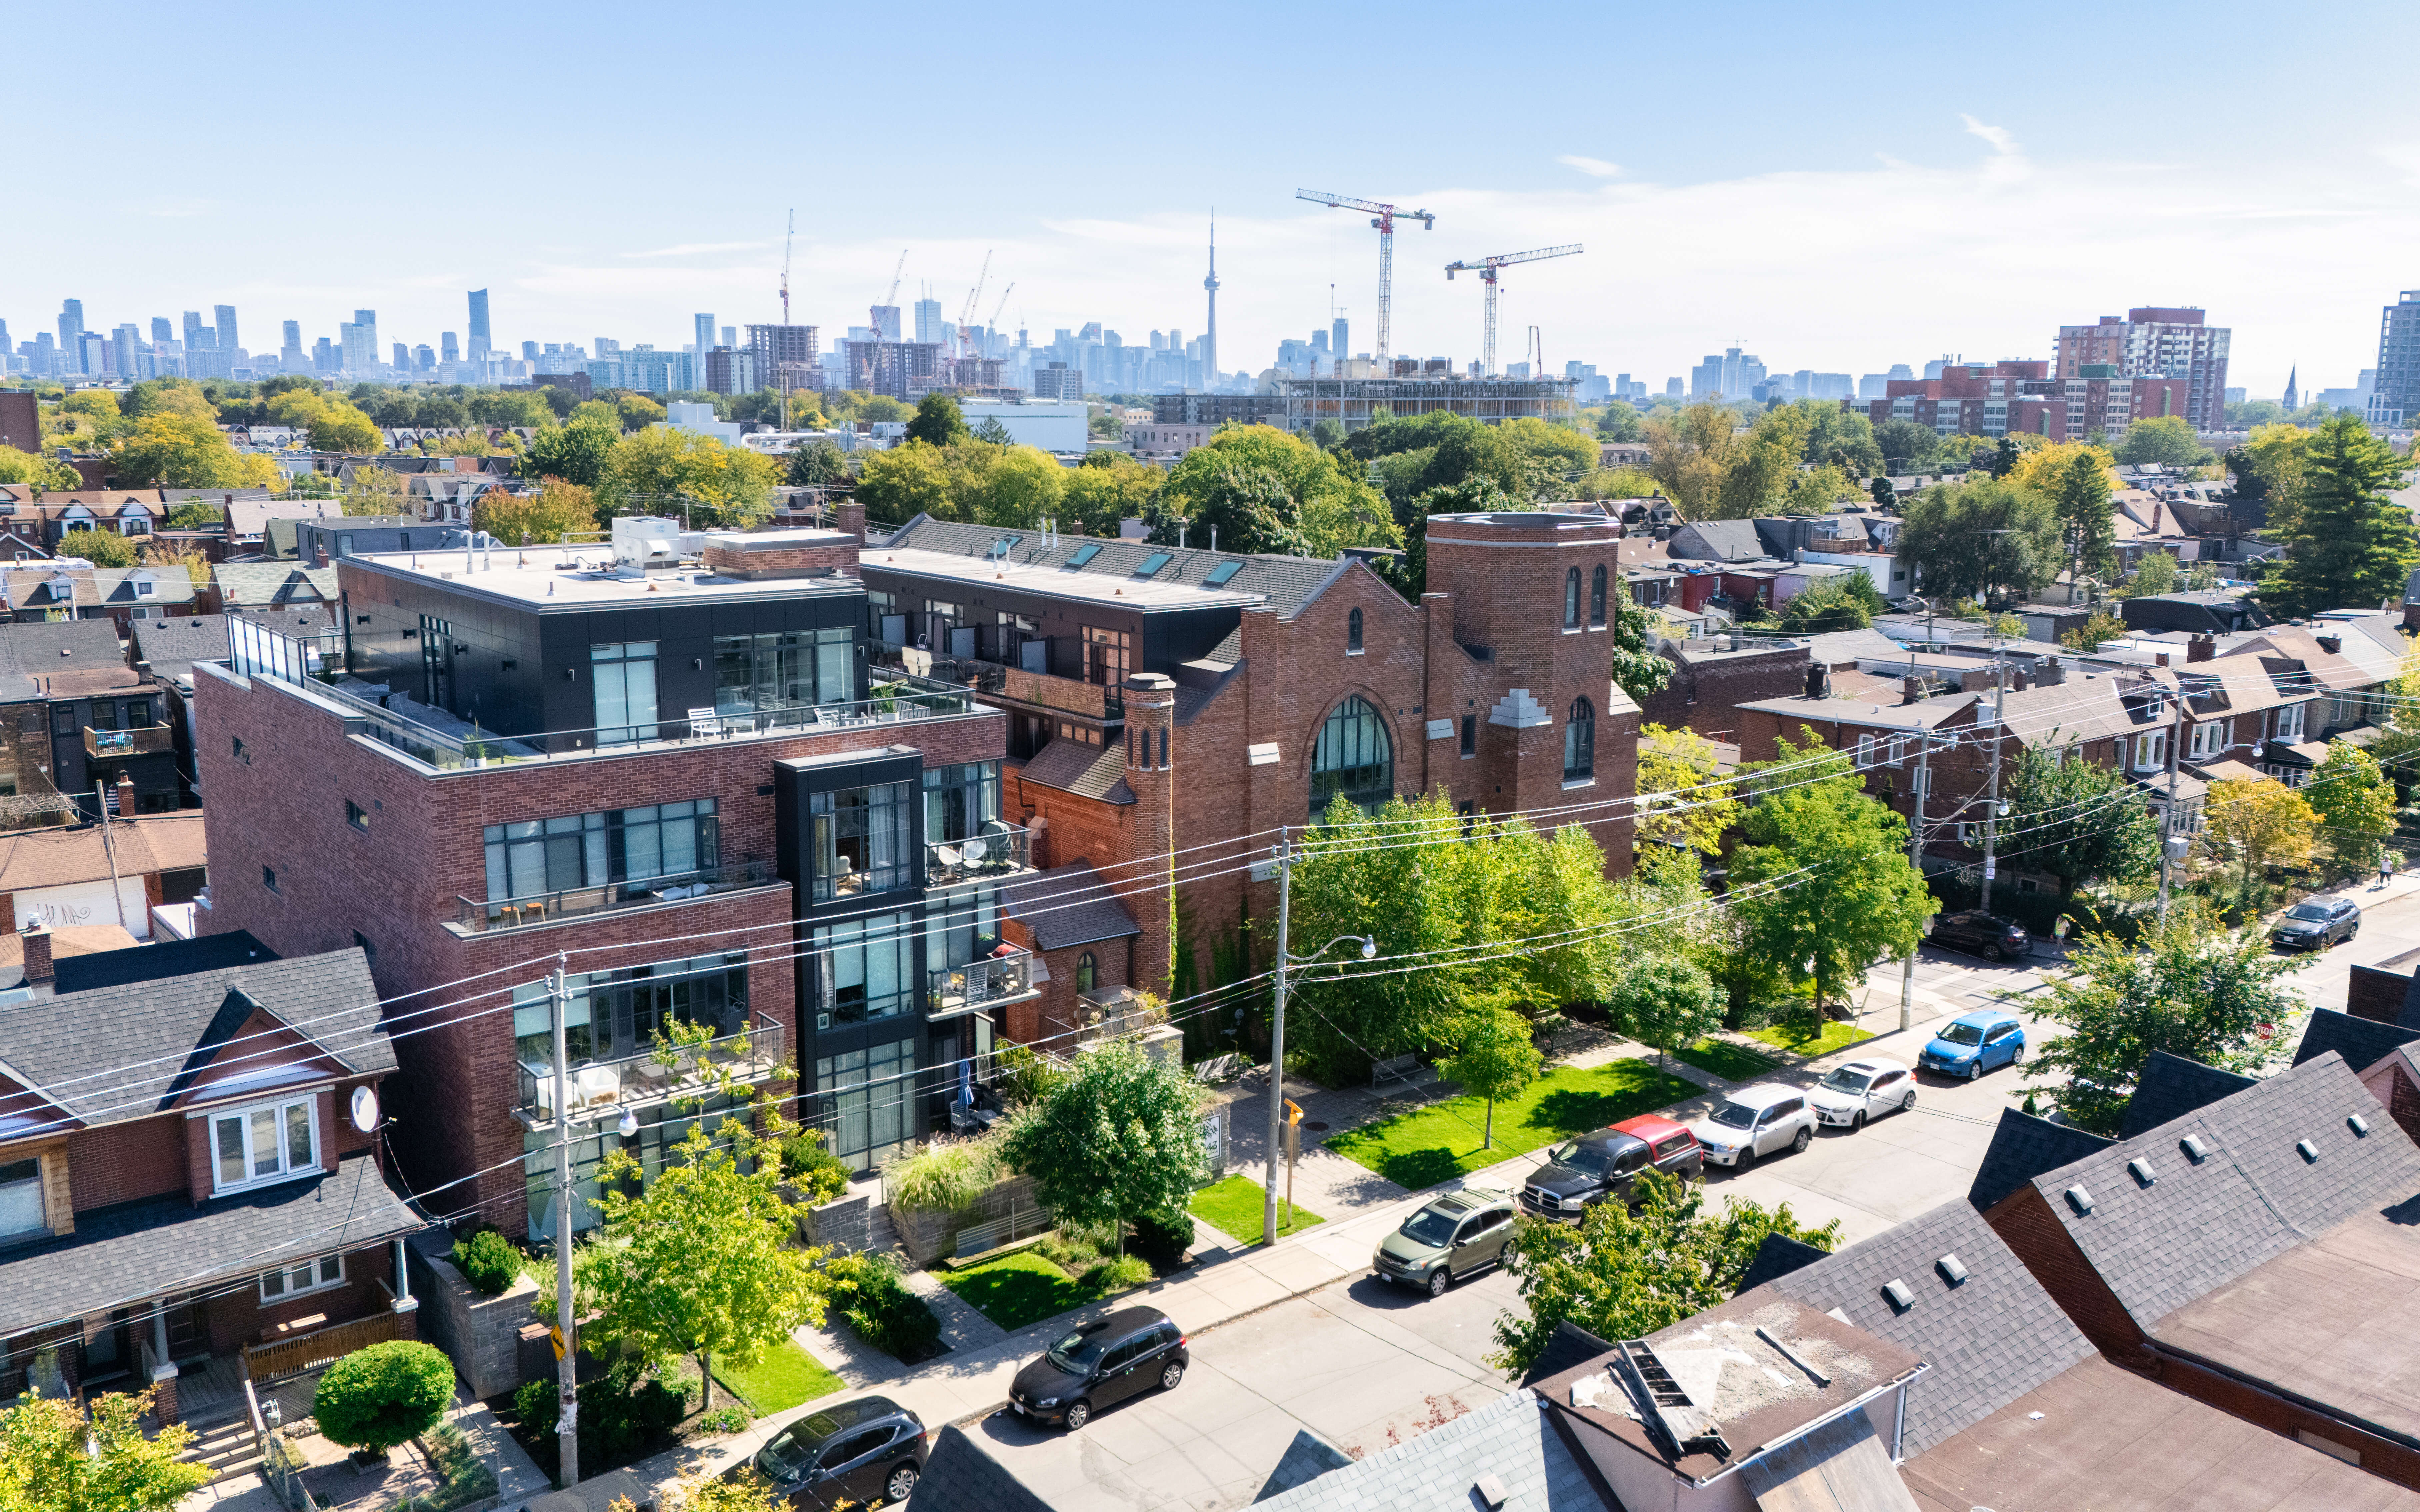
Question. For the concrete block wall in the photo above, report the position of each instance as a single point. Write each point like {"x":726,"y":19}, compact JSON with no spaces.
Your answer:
{"x":480,"y":1334}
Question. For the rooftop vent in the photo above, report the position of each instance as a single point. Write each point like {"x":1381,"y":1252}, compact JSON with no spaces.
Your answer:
{"x":2078,"y":1198}
{"x":1898,"y":1295}
{"x":1952,"y":1270}
{"x":2141,"y":1170}
{"x":2309,"y":1150}
{"x":2359,"y":1125}
{"x":2194,"y":1149}
{"x":1491,"y":1491}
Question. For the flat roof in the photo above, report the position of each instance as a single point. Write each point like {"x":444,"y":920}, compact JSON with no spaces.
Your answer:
{"x":1126,"y":592}
{"x":549,"y":578}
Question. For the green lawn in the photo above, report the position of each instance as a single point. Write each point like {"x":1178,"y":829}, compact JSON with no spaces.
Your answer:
{"x":1731,"y":1062}
{"x":1232,"y":1206}
{"x":1791,"y":1035}
{"x":1439,"y":1142}
{"x":1017,"y":1288}
{"x":787,"y":1376}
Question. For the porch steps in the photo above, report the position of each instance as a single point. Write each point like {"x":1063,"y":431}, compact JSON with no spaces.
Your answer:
{"x":225,"y":1449}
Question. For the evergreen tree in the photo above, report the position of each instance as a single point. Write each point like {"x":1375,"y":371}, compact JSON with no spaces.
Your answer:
{"x":2351,"y":547}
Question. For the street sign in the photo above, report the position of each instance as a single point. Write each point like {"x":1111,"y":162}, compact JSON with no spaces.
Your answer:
{"x":556,"y":1334}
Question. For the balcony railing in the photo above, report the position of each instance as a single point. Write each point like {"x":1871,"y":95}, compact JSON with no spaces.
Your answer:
{"x":979,"y":983}
{"x":1001,"y":849}
{"x":144,"y":740}
{"x":570,"y":903}
{"x":1068,"y":695}
{"x":598,"y":1089}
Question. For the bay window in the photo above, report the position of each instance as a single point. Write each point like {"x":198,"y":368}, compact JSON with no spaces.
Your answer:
{"x":268,"y":1142}
{"x":2151,"y":751}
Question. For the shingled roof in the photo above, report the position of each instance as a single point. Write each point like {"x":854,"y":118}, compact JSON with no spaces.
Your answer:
{"x":2169,"y":1087}
{"x":2362,"y":1043}
{"x":2023,"y":1146}
{"x":51,"y":648}
{"x":1087,"y":771}
{"x":1509,"y":1439}
{"x":1069,"y":905}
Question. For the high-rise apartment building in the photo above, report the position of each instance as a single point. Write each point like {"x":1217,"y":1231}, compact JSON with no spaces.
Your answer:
{"x":71,"y":330}
{"x":529,"y":351}
{"x":479,"y":343}
{"x":449,"y":351}
{"x":403,"y":358}
{"x":1340,"y":337}
{"x":161,"y":329}
{"x":1058,"y":381}
{"x":885,"y":322}
{"x":730,"y":337}
{"x":422,"y":359}
{"x":781,"y":351}
{"x":126,"y":352}
{"x":1732,"y":375}
{"x":224,"y":315}
{"x":928,"y":320}
{"x":705,"y":338}
{"x":289,"y":347}
{"x":2156,"y":341}
{"x":197,"y":335}
{"x":730,"y":371}
{"x":2398,"y":361}
{"x":325,"y":358}
{"x":360,"y":338}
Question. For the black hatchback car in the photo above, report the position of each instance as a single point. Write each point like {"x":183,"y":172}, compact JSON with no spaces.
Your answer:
{"x":1594,"y":1167}
{"x":853,"y":1452}
{"x":1099,"y":1364}
{"x":1988,"y":935}
{"x":2316,"y":924}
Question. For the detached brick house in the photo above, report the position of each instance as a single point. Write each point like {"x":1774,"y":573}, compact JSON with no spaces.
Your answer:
{"x":185,"y":1198}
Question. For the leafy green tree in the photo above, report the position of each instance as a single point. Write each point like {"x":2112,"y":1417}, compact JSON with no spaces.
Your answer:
{"x":1636,"y":666}
{"x":1980,"y":539}
{"x":194,"y":516}
{"x":637,"y":411}
{"x":2097,"y":629}
{"x":2156,"y":573}
{"x":1884,"y":496}
{"x":2350,"y":545}
{"x":1333,"y":506}
{"x":2077,"y":821}
{"x":2165,"y":439}
{"x":576,"y":452}
{"x":2187,"y":987}
{"x":2356,"y":802}
{"x":383,"y":1394}
{"x":1842,"y":439}
{"x":592,"y":411}
{"x":1822,"y":873}
{"x":1246,"y":506}
{"x":905,"y":481}
{"x":1327,"y":435}
{"x":1906,"y":447}
{"x":171,"y":449}
{"x":1118,"y":1139}
{"x":58,"y":1457}
{"x":939,"y":420}
{"x":659,"y":468}
{"x":2260,"y":822}
{"x":1623,"y":1275}
{"x":1493,"y":1057}
{"x":1665,"y":1002}
{"x":102,"y":548}
{"x":1110,"y":487}
{"x":1015,"y":486}
{"x":2087,"y":514}
{"x":1410,"y":572}
{"x":556,"y":512}
{"x":527,"y":408}
{"x":1847,"y":602}
{"x":1683,"y":799}
{"x":699,"y":1264}
{"x":822,"y":463}
{"x":41,"y":471}
{"x":1621,"y":423}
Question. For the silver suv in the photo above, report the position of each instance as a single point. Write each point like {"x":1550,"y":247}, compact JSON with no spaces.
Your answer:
{"x":1756,"y":1121}
{"x":1459,"y":1233}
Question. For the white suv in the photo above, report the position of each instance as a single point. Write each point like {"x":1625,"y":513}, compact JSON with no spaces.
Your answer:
{"x":1756,"y":1121}
{"x":1863,"y":1089}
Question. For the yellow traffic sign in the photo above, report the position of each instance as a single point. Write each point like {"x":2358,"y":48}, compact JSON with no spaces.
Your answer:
{"x":556,"y":1334}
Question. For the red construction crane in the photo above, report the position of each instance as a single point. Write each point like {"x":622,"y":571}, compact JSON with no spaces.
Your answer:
{"x":1383,"y":217}
{"x":1485,"y":268}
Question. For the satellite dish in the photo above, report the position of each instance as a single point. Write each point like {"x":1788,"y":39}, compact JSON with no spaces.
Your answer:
{"x":365,"y":1110}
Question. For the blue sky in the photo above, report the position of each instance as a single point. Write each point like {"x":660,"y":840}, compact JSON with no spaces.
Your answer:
{"x":1839,"y":188}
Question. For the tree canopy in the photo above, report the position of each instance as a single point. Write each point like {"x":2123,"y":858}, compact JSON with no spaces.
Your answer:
{"x":1118,"y":1140}
{"x":2354,"y":801}
{"x":1980,"y":539}
{"x":1683,"y":799}
{"x":2077,"y":821}
{"x":170,"y":448}
{"x":58,"y":1457}
{"x":556,"y":512}
{"x":2166,"y":440}
{"x":655,"y":471}
{"x":1331,"y":507}
{"x":577,"y":453}
{"x":939,"y":420}
{"x":2258,"y":822}
{"x":2348,"y":545}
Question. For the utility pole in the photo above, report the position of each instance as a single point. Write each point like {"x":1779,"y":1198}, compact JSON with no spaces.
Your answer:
{"x":1916,"y":860}
{"x":1992,"y":794}
{"x":558,"y":990}
{"x":1277,"y":1039}
{"x":2169,"y":814}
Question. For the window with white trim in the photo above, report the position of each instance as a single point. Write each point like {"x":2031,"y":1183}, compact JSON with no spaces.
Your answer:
{"x":1865,"y":756}
{"x":295,"y":1280}
{"x":267,"y":1142}
{"x":2289,"y":722}
{"x":1898,"y":749}
{"x":2150,"y":751}
{"x":2209,"y":739}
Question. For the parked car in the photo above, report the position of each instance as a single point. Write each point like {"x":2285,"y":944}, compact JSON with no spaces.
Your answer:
{"x":851,"y":1452}
{"x":1868,"y":1089}
{"x":1756,"y":1121}
{"x":2316,"y":924}
{"x":1595,"y":1166}
{"x":1988,"y":935}
{"x":1458,"y":1234}
{"x":1973,"y":1044}
{"x":1101,"y":1364}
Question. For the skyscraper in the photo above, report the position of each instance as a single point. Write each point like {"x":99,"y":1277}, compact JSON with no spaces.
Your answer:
{"x":928,"y":319}
{"x":529,"y":351}
{"x":198,"y":337}
{"x":161,"y":329}
{"x":403,"y":358}
{"x":2399,"y":358}
{"x":1210,"y":337}
{"x":479,"y":344}
{"x":72,"y":331}
{"x":448,"y":350}
{"x":224,"y":315}
{"x":1340,"y":337}
{"x":289,"y":351}
{"x":126,"y":345}
{"x":705,"y":338}
{"x":730,"y":337}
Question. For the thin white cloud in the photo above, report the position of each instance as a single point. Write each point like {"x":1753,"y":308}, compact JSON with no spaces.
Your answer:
{"x":691,"y":249}
{"x":2007,"y":163}
{"x":1593,"y":168}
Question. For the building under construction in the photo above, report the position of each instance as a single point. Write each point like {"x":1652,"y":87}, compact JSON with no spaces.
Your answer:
{"x":1351,"y":401}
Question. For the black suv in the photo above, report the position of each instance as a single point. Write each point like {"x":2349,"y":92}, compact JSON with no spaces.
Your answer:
{"x":1595,"y":1166}
{"x":854,"y":1452}
{"x":2316,"y":924}
{"x":1988,"y":935}
{"x":1099,"y":1364}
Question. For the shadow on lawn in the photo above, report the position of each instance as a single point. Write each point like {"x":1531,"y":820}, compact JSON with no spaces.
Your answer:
{"x":1015,"y":1295}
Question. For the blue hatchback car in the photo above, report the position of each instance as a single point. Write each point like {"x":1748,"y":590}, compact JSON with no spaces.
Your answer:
{"x":1973,"y":1044}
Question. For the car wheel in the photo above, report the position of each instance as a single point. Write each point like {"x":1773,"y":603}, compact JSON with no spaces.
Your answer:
{"x":1806,"y":1138}
{"x":1857,"y":1122}
{"x":1975,"y":1067}
{"x":1170,"y":1374}
{"x":1908,"y":1101}
{"x":2016,"y":1054}
{"x":1078,"y":1415}
{"x":1440,"y":1279}
{"x":1745,"y":1158}
{"x":1993,"y":952}
{"x":902,"y":1482}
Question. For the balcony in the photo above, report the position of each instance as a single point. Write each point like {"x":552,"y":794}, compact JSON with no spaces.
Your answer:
{"x":144,"y":740}
{"x":1001,"y":849}
{"x":1003,"y":977}
{"x":495,"y":914}
{"x":601,"y":1089}
{"x":1067,"y":695}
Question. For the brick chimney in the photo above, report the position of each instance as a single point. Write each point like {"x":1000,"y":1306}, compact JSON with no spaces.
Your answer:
{"x":851,"y":519}
{"x":2018,"y":680}
{"x":38,"y":955}
{"x":2159,"y":658}
{"x":2332,"y":645}
{"x":1911,"y":689}
{"x":124,"y":796}
{"x":1151,"y":719}
{"x":319,"y":556}
{"x":2204,"y":647}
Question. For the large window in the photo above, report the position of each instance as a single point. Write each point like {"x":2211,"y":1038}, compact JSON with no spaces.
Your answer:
{"x":20,"y":1198}
{"x":789,"y":669}
{"x":865,"y":969}
{"x":1596,"y":599}
{"x":872,"y":1099}
{"x":540,"y":856}
{"x":1104,"y":656}
{"x":1353,"y":757}
{"x":959,"y":800}
{"x":861,"y":841}
{"x":614,"y":1015}
{"x":327,"y":1272}
{"x":1579,"y":742}
{"x":959,"y":926}
{"x":625,"y":674}
{"x":266,"y":1143}
{"x":1572,"y":599}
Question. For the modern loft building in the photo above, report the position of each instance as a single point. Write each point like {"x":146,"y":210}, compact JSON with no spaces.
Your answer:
{"x":2155,"y":342}
{"x":665,"y":769}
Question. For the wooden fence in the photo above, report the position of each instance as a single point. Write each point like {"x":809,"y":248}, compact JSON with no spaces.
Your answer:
{"x":306,"y":1352}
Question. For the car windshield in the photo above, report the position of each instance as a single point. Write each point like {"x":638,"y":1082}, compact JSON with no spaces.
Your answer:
{"x":1735,"y":1115}
{"x":1078,"y":1353}
{"x":2311,"y":911}
{"x":1429,"y":1227}
{"x":1590,"y":1160}
{"x":792,"y":1450}
{"x":1848,"y":1079}
{"x":1963,"y":1034}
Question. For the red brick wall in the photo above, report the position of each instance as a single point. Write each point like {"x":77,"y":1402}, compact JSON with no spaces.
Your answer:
{"x":2403,"y":1104}
{"x":2381,"y":1456}
{"x":1705,"y":696}
{"x":237,"y":1316}
{"x":839,"y":557}
{"x":127,"y":1161}
{"x":2375,"y":995}
{"x":2025,"y":1222}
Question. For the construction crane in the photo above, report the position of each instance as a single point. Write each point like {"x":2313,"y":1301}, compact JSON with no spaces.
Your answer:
{"x":967,"y":313}
{"x":786,"y":238}
{"x":890,"y":301}
{"x":1383,"y":217}
{"x":1485,"y":268}
{"x":994,"y":327}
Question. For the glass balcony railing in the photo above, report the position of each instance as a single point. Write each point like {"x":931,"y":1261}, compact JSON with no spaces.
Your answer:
{"x":1001,"y":848}
{"x":600,"y":1088}
{"x":486,"y":916}
{"x":147,"y":740}
{"x":1002,"y":976}
{"x":1072,"y":695}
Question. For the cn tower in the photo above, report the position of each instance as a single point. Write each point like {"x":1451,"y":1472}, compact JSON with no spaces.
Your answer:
{"x":1210,"y":341}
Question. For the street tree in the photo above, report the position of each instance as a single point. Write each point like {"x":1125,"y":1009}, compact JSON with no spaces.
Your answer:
{"x":2351,"y":546}
{"x":1108,"y":488}
{"x":374,"y":491}
{"x":1980,"y":539}
{"x":56,"y":1456}
{"x":2189,"y":987}
{"x":939,"y":420}
{"x":1118,"y":1140}
{"x":558,"y":510}
{"x":576,"y":452}
{"x":1821,"y":876}
{"x":1906,"y":447}
{"x":1622,"y":1274}
{"x":1015,"y":486}
{"x":1493,"y":1057}
{"x":2356,"y":803}
{"x":1683,"y":796}
{"x":698,"y":1263}
{"x":2258,"y":822}
{"x":2078,"y":821}
{"x":1665,"y":1002}
{"x":2155,"y":573}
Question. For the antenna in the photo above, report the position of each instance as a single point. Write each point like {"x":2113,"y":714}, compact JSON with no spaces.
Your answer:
{"x":786,"y":237}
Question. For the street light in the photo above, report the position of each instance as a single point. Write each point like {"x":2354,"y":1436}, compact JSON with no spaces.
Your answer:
{"x":1276,"y":1027}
